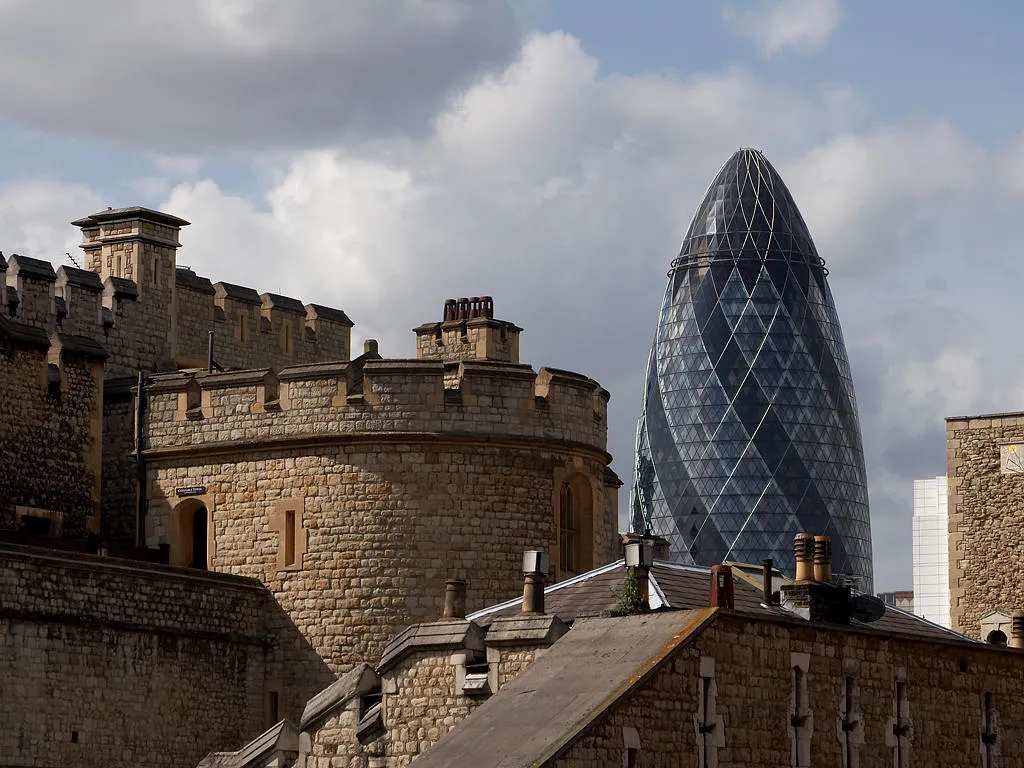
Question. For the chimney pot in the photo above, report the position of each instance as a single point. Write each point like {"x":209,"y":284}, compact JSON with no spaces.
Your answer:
{"x":454,"y":599}
{"x":535,"y":569}
{"x":722,"y":595}
{"x":823,"y":559}
{"x":767,"y":567}
{"x":803,"y":549}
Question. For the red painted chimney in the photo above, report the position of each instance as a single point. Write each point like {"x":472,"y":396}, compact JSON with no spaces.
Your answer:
{"x":721,"y":587}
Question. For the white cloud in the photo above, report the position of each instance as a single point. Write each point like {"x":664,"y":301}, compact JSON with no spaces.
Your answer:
{"x":856,"y":189}
{"x":564,"y":193}
{"x":198,"y":74}
{"x":34,"y":219}
{"x":804,"y":25}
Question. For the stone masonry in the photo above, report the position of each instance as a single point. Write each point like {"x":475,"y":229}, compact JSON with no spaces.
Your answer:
{"x":112,"y":664}
{"x":395,"y":481}
{"x":132,"y":310}
{"x":986,"y":515}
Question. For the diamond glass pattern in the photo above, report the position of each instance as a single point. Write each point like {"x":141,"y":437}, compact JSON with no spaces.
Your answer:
{"x":749,"y":432}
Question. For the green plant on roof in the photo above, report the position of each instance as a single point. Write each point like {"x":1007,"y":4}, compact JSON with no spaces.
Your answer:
{"x":630,"y":601}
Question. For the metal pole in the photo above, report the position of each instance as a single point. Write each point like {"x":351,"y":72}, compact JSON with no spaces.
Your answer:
{"x":209,"y":366}
{"x":140,"y":469}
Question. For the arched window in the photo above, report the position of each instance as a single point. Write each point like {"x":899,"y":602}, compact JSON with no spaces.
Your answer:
{"x":575,"y":526}
{"x":567,"y":530}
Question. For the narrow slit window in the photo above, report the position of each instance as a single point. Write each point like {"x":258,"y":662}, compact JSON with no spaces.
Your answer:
{"x":289,"y":537}
{"x":567,"y":529}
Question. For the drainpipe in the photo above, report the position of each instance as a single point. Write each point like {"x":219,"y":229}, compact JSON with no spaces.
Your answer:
{"x":140,"y":470}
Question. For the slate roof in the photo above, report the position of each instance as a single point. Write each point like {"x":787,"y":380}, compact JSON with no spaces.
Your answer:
{"x":542,"y":710}
{"x":683,"y":587}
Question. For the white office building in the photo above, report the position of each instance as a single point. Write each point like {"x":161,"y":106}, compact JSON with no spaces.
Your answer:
{"x":931,"y":550}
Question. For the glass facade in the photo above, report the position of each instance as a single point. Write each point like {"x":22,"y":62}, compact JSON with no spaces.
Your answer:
{"x":749,"y":432}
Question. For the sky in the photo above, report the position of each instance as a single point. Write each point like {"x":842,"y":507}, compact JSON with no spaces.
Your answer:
{"x":384,"y":155}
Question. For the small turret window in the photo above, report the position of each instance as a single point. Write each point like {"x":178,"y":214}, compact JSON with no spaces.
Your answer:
{"x":567,"y":529}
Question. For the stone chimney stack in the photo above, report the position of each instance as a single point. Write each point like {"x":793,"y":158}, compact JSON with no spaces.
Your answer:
{"x":536,"y":563}
{"x":813,"y":595}
{"x":454,"y":599}
{"x":468,"y":331}
{"x":639,"y":558}
{"x":722,"y":594}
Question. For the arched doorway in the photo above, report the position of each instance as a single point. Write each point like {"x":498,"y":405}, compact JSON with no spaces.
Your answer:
{"x":190,"y":543}
{"x":200,"y":521}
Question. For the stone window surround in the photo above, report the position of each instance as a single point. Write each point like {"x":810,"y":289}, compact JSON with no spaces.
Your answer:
{"x":899,"y":731}
{"x":850,"y":723}
{"x":989,"y":743}
{"x":707,"y":722}
{"x":278,"y":524}
{"x":585,"y":508}
{"x":800,"y":712}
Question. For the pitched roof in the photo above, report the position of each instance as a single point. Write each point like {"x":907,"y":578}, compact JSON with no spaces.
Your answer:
{"x":281,"y":738}
{"x":685,"y":587}
{"x":544,"y":708}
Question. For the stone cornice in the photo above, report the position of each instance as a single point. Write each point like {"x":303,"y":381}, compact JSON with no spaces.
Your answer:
{"x":275,"y":444}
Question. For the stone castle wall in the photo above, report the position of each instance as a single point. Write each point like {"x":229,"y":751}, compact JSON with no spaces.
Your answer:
{"x":110,"y":664}
{"x":132,"y":310}
{"x":986,"y":514}
{"x":753,"y":675}
{"x":49,"y":434}
{"x":394,"y":484}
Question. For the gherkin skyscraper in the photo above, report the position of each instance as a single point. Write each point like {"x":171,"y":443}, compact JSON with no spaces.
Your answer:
{"x":749,"y":432}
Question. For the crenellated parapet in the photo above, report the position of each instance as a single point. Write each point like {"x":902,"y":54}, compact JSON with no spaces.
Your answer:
{"x":489,"y":401}
{"x":149,"y":314}
{"x":252,"y":329}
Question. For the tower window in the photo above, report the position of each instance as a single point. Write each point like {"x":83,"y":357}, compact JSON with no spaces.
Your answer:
{"x":289,"y":537}
{"x":567,"y":529}
{"x":286,"y":522}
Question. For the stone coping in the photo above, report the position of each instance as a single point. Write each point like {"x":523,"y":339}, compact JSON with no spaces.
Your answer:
{"x":82,"y":561}
{"x":358,"y":681}
{"x":454,"y":634}
{"x":36,"y":269}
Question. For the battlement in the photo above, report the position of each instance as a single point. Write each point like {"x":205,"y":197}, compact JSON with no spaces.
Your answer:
{"x":488,"y":400}
{"x":149,"y":314}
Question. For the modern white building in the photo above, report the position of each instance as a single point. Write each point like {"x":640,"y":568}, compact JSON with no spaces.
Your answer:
{"x":931,"y":550}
